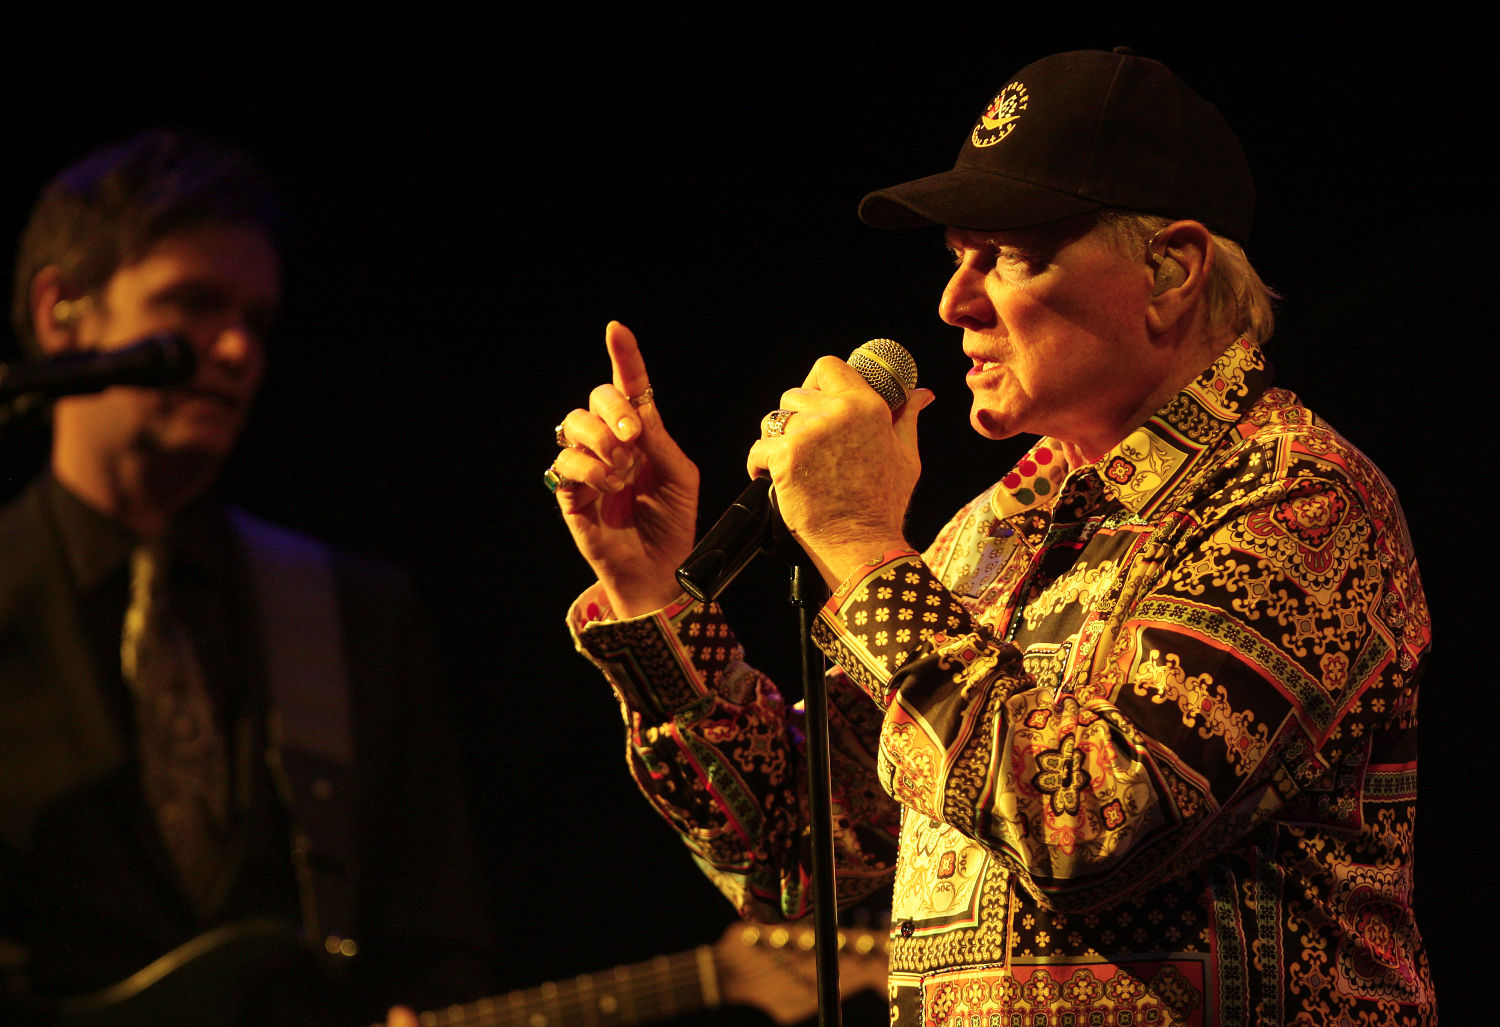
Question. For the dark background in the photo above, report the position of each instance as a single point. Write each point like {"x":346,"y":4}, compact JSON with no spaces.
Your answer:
{"x":476,"y":197}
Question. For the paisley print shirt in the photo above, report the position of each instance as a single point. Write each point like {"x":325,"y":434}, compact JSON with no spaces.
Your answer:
{"x":1144,"y":729}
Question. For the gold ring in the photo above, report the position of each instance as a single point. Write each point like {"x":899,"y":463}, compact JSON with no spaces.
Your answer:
{"x":643,"y":398}
{"x":556,"y":481}
{"x":562,"y":440}
{"x":776,"y":423}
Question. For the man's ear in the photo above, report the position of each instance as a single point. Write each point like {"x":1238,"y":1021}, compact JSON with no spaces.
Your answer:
{"x":56,"y":312}
{"x":1182,"y":255}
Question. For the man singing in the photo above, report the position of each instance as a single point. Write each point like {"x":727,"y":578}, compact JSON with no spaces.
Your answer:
{"x":1140,"y":722}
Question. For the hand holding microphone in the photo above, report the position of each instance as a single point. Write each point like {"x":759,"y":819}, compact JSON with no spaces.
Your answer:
{"x":844,"y":463}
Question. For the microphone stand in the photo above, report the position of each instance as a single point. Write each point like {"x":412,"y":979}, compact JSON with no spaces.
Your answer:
{"x":808,"y":593}
{"x":750,"y":527}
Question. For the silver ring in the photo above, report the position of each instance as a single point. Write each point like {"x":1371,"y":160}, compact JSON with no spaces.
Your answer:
{"x":641,"y":399}
{"x":775,"y":423}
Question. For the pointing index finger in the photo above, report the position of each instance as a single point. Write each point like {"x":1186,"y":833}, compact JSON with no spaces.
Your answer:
{"x":625,"y":360}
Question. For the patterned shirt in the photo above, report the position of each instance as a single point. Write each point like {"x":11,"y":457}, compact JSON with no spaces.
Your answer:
{"x":1149,"y":724}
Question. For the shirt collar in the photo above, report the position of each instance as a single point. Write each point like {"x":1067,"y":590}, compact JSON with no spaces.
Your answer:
{"x":1143,"y":467}
{"x":96,"y":547}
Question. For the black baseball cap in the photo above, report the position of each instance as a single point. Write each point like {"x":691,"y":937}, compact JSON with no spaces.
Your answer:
{"x":1078,"y":131}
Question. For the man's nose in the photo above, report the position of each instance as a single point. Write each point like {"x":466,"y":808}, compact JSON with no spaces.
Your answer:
{"x":234,"y":343}
{"x":964,"y":303}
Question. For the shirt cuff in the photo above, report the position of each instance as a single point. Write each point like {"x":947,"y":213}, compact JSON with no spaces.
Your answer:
{"x":658,"y":662}
{"x":879,"y":620}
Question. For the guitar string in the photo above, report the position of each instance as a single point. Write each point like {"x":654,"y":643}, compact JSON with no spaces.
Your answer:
{"x":612,"y":1001}
{"x":630,"y":991}
{"x":666,"y":984}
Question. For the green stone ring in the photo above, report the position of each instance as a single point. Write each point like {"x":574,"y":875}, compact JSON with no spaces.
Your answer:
{"x":556,"y":481}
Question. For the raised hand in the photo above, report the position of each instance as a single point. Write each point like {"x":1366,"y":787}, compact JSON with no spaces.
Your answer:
{"x":627,"y":492}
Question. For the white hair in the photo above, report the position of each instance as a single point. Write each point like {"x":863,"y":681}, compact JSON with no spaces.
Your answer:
{"x":1238,"y":299}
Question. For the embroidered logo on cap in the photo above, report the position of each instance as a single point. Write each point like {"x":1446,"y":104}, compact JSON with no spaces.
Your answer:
{"x":1001,"y":115}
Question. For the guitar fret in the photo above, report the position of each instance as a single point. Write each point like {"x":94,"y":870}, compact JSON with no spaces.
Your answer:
{"x":586,"y":999}
{"x":663,"y":967}
{"x":622,"y":980}
{"x":708,"y":977}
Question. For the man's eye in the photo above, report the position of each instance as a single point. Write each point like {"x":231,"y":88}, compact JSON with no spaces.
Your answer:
{"x":1019,"y":259}
{"x":985,"y":257}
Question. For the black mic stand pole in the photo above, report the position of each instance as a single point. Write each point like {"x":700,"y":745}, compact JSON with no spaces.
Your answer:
{"x":808,"y":595}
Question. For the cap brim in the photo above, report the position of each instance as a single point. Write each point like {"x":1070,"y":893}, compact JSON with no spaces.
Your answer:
{"x":972,"y":199}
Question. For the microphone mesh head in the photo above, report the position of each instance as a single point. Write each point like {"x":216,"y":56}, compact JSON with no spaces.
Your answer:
{"x":888,"y":369}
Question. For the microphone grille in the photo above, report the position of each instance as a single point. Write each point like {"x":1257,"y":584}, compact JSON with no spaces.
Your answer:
{"x":888,"y":369}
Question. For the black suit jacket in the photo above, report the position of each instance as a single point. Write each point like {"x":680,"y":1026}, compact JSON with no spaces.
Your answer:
{"x":86,"y":888}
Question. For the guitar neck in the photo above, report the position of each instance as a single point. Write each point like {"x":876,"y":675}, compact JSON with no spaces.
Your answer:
{"x":637,"y":993}
{"x":242,"y":966}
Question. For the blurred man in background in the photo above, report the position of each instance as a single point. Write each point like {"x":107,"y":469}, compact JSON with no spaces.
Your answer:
{"x":209,"y":726}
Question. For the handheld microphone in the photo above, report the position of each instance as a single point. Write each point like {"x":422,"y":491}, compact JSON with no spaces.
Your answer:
{"x":163,"y":359}
{"x":751,"y":523}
